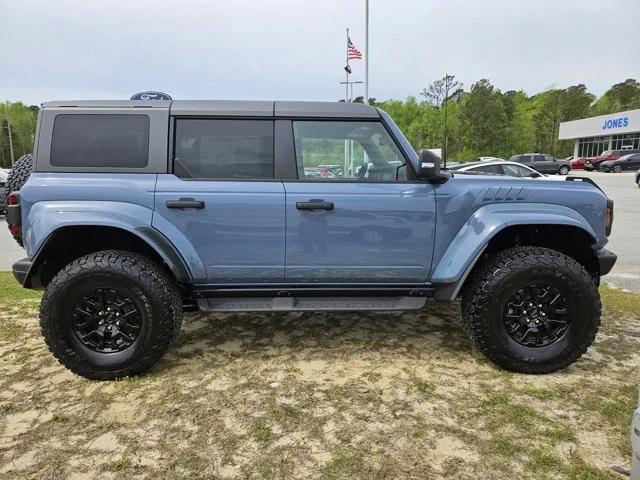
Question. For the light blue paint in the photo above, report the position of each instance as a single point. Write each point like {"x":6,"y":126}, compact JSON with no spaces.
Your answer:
{"x":376,"y":233}
{"x":239,"y":236}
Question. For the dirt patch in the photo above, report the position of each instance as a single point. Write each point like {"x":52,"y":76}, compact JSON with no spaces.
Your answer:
{"x":329,"y":396}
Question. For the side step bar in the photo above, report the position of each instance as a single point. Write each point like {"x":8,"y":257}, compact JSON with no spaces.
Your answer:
{"x":249,"y":298}
{"x":284,"y":304}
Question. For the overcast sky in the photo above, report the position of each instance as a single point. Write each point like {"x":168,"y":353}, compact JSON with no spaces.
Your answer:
{"x":286,"y":49}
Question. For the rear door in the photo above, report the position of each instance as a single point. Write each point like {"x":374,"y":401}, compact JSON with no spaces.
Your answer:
{"x":221,"y":204}
{"x":362,"y":220}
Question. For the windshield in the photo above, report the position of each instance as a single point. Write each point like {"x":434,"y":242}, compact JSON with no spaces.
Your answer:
{"x":404,"y":143}
{"x":605,"y":153}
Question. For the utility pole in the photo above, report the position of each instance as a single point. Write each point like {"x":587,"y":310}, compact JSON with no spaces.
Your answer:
{"x":347,"y":69}
{"x":366,"y":53}
{"x":9,"y":129}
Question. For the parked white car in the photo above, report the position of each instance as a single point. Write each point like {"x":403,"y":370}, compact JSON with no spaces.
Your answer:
{"x":503,"y":167}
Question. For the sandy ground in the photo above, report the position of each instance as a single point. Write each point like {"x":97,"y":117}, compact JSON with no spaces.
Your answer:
{"x":329,"y":396}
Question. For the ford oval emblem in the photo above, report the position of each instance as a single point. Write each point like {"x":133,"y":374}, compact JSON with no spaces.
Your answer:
{"x":151,"y":96}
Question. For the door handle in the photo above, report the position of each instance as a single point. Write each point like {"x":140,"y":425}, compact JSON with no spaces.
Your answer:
{"x":314,"y":205}
{"x":185,"y":203}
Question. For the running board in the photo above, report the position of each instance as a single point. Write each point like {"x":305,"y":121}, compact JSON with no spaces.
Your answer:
{"x":287,"y":304}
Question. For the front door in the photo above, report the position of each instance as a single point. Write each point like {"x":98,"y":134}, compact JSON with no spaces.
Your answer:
{"x":353,"y":217}
{"x":222,"y":206}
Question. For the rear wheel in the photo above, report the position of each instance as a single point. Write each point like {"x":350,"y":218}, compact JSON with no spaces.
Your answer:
{"x":110,"y":314}
{"x":531,"y":309}
{"x":564,"y":170}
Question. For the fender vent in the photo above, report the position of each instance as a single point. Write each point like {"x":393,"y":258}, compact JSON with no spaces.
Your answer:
{"x":504,"y":194}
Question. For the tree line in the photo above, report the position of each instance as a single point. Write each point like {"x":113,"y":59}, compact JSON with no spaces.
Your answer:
{"x":484,"y":121}
{"x":480,"y":121}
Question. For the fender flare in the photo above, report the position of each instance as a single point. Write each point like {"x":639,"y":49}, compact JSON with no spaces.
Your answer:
{"x":472,"y":239}
{"x":133,"y":219}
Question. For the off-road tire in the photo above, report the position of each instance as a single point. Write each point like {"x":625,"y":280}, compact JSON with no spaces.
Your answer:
{"x":156,"y":294}
{"x":498,"y":277}
{"x":564,"y":170}
{"x":19,"y":174}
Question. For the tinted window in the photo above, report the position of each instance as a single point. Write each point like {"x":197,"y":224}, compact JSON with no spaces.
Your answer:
{"x":516,"y":171}
{"x":538,"y":158}
{"x":100,"y":141}
{"x":525,"y":158}
{"x":360,"y":151}
{"x":223,"y":148}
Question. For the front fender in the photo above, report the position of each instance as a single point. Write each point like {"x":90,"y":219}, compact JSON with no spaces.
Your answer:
{"x":471,"y":240}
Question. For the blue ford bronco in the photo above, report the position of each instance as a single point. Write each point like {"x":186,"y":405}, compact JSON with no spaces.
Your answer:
{"x":133,"y":211}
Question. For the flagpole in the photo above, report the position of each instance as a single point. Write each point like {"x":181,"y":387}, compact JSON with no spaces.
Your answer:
{"x":346,"y":95}
{"x":366,"y":54}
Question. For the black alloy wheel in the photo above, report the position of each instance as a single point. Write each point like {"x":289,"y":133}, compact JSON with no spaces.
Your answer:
{"x":106,"y":320}
{"x":536,"y":316}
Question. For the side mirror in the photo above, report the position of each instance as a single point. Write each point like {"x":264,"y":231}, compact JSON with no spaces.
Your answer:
{"x":429,"y":168}
{"x":535,"y":175}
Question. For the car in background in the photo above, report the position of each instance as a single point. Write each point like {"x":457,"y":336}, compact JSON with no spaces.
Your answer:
{"x":543,"y":163}
{"x":626,"y":162}
{"x":490,"y":159}
{"x":318,"y":172}
{"x":593,"y":163}
{"x":3,"y":195}
{"x":508,"y":168}
{"x":577,"y":163}
{"x":638,"y":178}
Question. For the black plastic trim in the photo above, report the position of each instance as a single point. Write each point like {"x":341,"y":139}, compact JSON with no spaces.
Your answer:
{"x":21,"y":269}
{"x":606,"y":260}
{"x":270,"y":291}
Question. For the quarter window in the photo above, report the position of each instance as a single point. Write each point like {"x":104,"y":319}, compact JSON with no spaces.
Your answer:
{"x":100,"y":141}
{"x":211,"y":148}
{"x":357,"y":151}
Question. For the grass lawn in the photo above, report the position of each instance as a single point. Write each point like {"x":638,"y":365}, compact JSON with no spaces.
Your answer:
{"x":318,"y":395}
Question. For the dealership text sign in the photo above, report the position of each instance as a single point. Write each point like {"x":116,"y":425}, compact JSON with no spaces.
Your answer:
{"x":620,"y":122}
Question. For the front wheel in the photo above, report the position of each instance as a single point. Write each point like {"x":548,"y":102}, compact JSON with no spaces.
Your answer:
{"x":531,"y":309}
{"x":110,"y":314}
{"x":617,"y":168}
{"x":564,"y":170}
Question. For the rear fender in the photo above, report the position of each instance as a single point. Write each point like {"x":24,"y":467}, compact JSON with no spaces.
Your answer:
{"x":45,"y":218}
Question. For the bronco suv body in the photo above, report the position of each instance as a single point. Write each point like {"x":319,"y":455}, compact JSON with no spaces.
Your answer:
{"x":135,"y":210}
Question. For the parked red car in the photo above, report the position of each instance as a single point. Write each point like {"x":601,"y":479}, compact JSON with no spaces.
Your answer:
{"x":594,"y":162}
{"x":577,"y":163}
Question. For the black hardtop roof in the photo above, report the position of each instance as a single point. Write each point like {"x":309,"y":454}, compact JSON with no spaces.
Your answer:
{"x":240,"y":108}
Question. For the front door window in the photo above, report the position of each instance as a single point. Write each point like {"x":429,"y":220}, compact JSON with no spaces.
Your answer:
{"x":353,"y":151}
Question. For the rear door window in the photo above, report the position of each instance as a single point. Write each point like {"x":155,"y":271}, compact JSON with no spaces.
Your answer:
{"x":223,"y":149}
{"x":93,"y":140}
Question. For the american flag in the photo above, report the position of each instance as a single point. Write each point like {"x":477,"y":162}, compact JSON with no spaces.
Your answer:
{"x":352,"y":52}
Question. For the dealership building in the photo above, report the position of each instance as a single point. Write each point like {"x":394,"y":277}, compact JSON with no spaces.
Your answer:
{"x":592,"y":136}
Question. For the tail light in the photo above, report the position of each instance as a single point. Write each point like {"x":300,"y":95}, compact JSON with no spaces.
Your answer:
{"x":13,"y":199}
{"x":16,"y":230}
